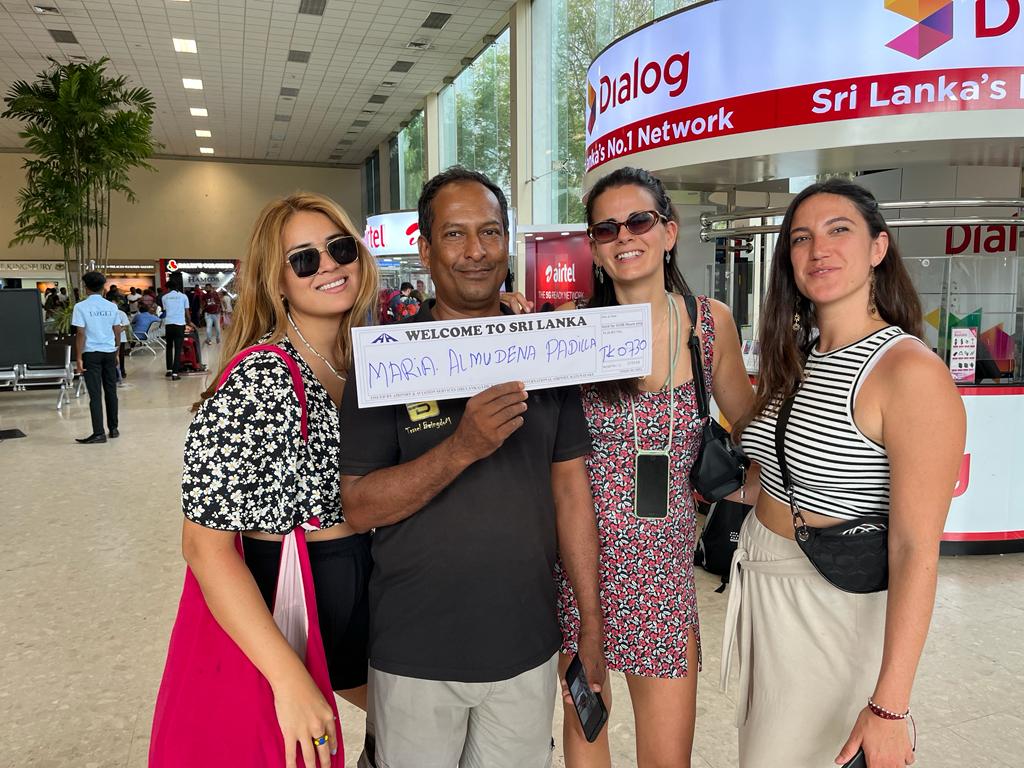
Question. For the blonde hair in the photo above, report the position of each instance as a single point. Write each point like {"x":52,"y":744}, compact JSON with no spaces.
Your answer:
{"x":260,"y":307}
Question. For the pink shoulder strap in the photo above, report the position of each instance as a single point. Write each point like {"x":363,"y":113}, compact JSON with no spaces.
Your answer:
{"x":293,"y":369}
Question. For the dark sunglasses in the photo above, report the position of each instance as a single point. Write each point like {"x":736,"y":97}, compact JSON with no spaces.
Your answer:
{"x":637,"y":223}
{"x":306,"y":262}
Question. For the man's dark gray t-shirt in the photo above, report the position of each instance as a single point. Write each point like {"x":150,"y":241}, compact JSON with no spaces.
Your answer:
{"x":462,"y":590}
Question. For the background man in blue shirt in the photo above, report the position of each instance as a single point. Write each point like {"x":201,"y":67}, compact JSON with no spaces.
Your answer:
{"x":96,"y":356}
{"x":178,"y":315}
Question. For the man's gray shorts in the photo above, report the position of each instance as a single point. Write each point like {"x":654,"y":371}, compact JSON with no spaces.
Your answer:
{"x":413,"y":723}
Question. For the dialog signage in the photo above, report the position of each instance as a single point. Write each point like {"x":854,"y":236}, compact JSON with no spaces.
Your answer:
{"x":736,"y":66}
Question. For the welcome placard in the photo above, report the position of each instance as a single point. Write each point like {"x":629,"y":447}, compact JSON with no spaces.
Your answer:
{"x":417,"y":362}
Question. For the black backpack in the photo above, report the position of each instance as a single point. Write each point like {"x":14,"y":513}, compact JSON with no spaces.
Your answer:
{"x":719,"y":539}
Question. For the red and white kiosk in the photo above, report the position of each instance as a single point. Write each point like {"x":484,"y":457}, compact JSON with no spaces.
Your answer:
{"x":922,"y":100}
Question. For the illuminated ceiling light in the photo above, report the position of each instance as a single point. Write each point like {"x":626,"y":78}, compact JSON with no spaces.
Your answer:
{"x":564,"y":234}
{"x":206,"y":150}
{"x":192,"y":84}
{"x":198,"y":112}
{"x":202,"y":133}
{"x":184,"y":45}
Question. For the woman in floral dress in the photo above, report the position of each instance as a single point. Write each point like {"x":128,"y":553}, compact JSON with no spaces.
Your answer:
{"x":646,"y":563}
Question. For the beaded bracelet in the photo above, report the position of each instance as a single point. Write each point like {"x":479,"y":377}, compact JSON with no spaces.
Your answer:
{"x":886,"y":714}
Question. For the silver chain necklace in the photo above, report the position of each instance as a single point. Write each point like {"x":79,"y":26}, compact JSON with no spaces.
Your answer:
{"x":310,"y":348}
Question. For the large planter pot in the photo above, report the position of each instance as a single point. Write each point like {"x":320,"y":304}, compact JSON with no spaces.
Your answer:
{"x":54,"y":347}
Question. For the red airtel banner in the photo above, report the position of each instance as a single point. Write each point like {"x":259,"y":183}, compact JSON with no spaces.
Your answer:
{"x":558,"y":270}
{"x":937,"y":90}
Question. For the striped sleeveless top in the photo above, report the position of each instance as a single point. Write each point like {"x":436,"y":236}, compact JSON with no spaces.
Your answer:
{"x":837,"y":470}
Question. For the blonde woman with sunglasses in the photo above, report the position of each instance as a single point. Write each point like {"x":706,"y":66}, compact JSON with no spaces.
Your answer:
{"x":306,"y":281}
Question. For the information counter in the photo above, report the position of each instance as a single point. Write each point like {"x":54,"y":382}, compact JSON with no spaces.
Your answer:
{"x":987,"y":515}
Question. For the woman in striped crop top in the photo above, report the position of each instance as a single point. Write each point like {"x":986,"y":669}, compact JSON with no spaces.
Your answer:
{"x":877,"y":428}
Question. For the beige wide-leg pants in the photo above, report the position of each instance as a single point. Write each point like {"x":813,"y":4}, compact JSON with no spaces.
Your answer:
{"x":809,"y":653}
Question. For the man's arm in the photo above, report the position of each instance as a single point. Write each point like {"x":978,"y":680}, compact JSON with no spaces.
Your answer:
{"x":387,"y":496}
{"x":578,"y":548}
{"x":79,"y":348}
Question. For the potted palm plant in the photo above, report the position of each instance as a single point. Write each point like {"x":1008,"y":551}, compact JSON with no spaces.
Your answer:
{"x":86,"y":132}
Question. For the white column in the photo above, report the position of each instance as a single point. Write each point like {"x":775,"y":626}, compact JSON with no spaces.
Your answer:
{"x":432,"y":135}
{"x":520,"y":128}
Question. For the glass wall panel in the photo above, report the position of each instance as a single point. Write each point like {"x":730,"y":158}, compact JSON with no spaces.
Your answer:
{"x":371,"y":184}
{"x":409,"y":165}
{"x":475,"y":113}
{"x":566,"y":36}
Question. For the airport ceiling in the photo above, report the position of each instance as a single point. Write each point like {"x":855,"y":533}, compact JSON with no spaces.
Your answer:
{"x":301,"y":81}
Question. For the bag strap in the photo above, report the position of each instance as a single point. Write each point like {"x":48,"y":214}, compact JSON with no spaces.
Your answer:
{"x":696,"y":362}
{"x":293,"y":369}
{"x":799,"y":524}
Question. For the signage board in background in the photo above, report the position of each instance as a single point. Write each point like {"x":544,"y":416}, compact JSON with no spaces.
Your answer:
{"x":32,"y":268}
{"x":707,"y":72}
{"x":396,"y":234}
{"x":196,"y":272}
{"x":558,"y":270}
{"x":963,"y":354}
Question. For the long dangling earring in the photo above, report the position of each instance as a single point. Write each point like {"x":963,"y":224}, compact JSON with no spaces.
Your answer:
{"x":599,"y":273}
{"x":872,"y":303}
{"x":796,"y":316}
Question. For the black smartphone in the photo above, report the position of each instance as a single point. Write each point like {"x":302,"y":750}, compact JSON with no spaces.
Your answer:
{"x":857,"y":761}
{"x":589,"y":705}
{"x":650,"y":485}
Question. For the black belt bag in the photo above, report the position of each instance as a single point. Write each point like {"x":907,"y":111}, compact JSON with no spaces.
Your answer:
{"x":854,"y":555}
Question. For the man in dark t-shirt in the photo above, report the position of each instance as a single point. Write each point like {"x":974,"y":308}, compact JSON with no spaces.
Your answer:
{"x":471,"y":501}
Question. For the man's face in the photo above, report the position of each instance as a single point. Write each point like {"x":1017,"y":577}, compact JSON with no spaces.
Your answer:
{"x":468,"y":250}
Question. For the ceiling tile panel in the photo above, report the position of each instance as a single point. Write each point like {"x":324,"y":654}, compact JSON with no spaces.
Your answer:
{"x":243,"y":59}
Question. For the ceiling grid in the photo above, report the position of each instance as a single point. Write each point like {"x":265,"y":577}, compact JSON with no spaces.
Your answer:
{"x":346,"y":98}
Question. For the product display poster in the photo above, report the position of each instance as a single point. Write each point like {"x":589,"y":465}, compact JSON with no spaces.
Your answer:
{"x":419,"y":362}
{"x":963,"y":354}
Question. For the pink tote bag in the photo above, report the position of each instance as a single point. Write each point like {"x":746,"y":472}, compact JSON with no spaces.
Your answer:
{"x":214,"y":707}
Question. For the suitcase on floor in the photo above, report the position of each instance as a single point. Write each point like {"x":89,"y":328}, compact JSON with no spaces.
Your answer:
{"x":189,"y":360}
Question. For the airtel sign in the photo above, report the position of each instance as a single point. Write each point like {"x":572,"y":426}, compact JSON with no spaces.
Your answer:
{"x":396,"y":234}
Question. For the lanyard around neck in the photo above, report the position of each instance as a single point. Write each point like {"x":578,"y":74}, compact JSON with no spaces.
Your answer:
{"x":673,"y":335}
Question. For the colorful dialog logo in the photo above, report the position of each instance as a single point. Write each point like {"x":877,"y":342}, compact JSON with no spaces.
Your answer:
{"x":591,"y":107}
{"x":934,"y":26}
{"x":172,"y":265}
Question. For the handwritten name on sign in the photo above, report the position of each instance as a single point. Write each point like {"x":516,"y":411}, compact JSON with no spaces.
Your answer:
{"x":417,"y":362}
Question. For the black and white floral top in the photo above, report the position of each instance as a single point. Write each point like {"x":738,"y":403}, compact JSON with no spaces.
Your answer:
{"x":246,"y":467}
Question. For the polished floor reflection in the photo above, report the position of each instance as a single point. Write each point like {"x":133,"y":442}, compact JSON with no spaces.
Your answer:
{"x":90,"y":573}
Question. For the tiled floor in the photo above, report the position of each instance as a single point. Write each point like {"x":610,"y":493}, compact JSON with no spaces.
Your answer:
{"x":90,"y":573}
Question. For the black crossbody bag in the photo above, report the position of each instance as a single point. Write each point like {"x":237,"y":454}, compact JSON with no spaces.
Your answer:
{"x":721,"y":465}
{"x":853,"y":555}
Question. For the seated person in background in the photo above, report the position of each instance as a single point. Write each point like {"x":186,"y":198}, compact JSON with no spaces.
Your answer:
{"x":143,"y":320}
{"x":403,"y":305}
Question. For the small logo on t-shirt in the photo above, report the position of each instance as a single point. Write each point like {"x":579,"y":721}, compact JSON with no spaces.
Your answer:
{"x":421,"y":411}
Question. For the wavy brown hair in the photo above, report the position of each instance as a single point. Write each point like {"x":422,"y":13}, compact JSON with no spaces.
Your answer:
{"x":604,"y":292}
{"x":260,"y":309}
{"x":783,"y":350}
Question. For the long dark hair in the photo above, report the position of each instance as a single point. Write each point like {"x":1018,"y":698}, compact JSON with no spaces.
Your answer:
{"x":604,"y":291}
{"x":783,"y":350}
